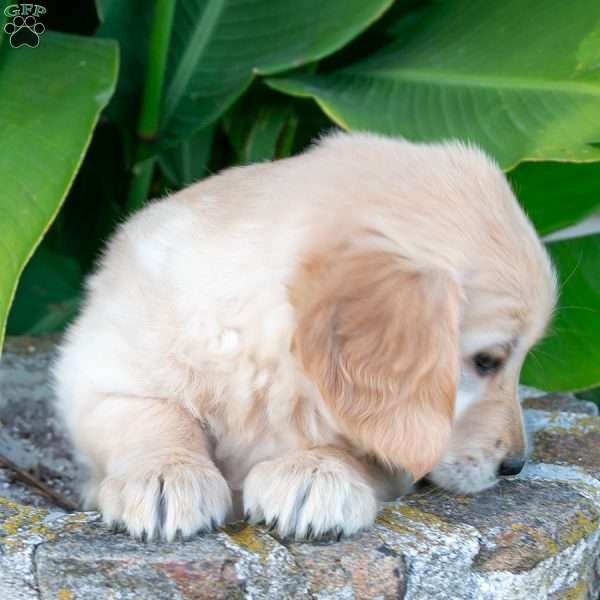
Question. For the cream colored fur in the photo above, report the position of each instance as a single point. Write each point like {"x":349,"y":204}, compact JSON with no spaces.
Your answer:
{"x":303,"y":331}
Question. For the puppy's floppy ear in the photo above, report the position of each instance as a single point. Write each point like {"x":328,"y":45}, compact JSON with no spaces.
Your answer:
{"x":381,"y":343}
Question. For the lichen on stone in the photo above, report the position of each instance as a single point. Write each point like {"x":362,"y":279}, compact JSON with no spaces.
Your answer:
{"x":249,"y":539}
{"x":401,"y":518}
{"x":581,"y":528}
{"x":17,"y":517}
{"x":538,"y":536}
{"x":578,"y":592}
{"x":65,"y":594}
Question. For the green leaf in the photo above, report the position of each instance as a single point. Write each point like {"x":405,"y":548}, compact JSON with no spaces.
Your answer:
{"x":128,"y":23}
{"x":521,"y":79}
{"x":259,"y":141}
{"x":101,"y":7}
{"x":569,"y":357}
{"x":186,"y":163}
{"x":48,"y":290}
{"x":557,"y":195}
{"x":592,"y":395}
{"x":257,"y":124}
{"x":218,"y":46}
{"x":51,"y":97}
{"x":91,"y":209}
{"x":57,"y":317}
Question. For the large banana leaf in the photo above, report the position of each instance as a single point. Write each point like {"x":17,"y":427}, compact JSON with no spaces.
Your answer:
{"x":556,"y":195}
{"x":519,"y":78}
{"x":217,"y":47}
{"x":569,"y":357}
{"x":50,"y":99}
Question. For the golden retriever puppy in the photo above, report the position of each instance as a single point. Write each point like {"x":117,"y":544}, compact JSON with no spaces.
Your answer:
{"x":301,"y":331}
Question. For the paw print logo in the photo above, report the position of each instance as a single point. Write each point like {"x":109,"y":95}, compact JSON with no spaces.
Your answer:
{"x":24,"y":31}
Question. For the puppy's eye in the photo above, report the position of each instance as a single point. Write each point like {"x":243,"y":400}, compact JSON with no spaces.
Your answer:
{"x":487,"y":364}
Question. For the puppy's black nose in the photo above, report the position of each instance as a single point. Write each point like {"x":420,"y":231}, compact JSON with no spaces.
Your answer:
{"x":511,"y":465}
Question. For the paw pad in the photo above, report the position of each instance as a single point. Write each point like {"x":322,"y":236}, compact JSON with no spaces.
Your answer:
{"x":24,"y":31}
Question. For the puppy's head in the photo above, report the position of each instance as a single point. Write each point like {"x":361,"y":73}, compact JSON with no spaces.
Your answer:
{"x":415,"y":317}
{"x":508,"y":306}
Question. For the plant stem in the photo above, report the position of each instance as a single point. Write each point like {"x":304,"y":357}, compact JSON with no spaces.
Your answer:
{"x":286,"y":141}
{"x":139,"y":186}
{"x":149,"y":117}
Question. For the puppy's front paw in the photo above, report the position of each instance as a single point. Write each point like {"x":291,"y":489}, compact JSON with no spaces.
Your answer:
{"x":307,"y":495}
{"x":167,"y":501}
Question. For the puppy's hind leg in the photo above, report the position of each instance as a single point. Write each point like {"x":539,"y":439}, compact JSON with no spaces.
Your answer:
{"x":158,"y":479}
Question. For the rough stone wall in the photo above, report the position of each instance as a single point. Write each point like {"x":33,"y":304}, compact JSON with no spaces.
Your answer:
{"x":533,"y":537}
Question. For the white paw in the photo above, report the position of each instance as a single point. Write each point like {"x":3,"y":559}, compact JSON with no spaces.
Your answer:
{"x":165,"y":502}
{"x":309,"y":496}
